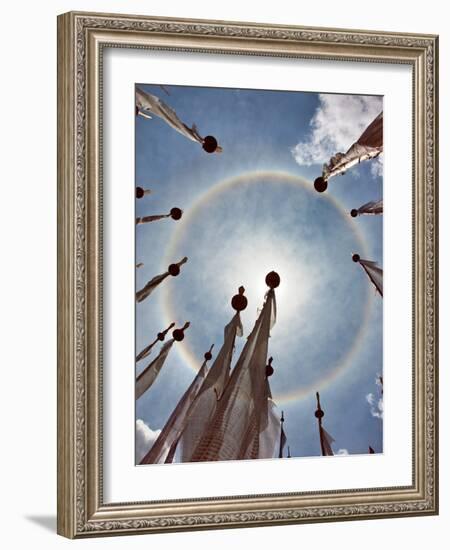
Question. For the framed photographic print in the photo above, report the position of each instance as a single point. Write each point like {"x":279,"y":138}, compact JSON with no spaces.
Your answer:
{"x":247,"y":274}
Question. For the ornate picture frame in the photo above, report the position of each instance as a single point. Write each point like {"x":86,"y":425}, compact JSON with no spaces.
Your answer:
{"x":82,"y":40}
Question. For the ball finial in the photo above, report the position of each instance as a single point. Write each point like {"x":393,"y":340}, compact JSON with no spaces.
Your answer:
{"x":210,"y":144}
{"x":353,"y":213}
{"x":239,"y":301}
{"x":356,"y":258}
{"x":320,"y":185}
{"x":319,"y":413}
{"x":176,"y":213}
{"x":174,"y":269}
{"x":139,"y":192}
{"x":178,"y":333}
{"x":273,"y":279}
{"x":208,"y":354}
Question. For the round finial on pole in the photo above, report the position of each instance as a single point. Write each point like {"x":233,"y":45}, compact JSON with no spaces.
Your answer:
{"x":319,"y":413}
{"x":176,"y":213}
{"x":162,"y":335}
{"x":356,"y":258}
{"x":174,"y":269}
{"x":239,"y":301}
{"x":269,"y":368}
{"x":273,"y":279}
{"x":353,"y":212}
{"x":320,"y":185}
{"x":210,"y":144}
{"x":178,"y":333}
{"x":208,"y":354}
{"x":139,"y":192}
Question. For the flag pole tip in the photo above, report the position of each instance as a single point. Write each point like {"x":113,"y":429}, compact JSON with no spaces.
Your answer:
{"x":239,"y":301}
{"x":356,"y":258}
{"x":353,"y":212}
{"x":273,"y":279}
{"x":320,"y":184}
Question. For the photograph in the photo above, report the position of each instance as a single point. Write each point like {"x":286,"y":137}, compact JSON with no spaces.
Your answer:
{"x":258,"y":274}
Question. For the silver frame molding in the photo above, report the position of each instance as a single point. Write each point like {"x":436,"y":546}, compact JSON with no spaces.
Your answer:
{"x":81,"y":39}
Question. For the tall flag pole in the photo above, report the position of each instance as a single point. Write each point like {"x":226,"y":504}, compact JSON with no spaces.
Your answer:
{"x":205,"y":404}
{"x":163,"y":450}
{"x":147,"y":103}
{"x":146,"y":378}
{"x":234,"y":430}
{"x":175,"y":214}
{"x":368,"y":146}
{"x":325,"y":438}
{"x":374,"y":208}
{"x":373,"y":271}
{"x":141,"y":192}
{"x":159,"y":338}
{"x":173,"y":269}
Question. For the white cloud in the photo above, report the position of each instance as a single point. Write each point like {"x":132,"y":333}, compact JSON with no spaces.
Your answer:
{"x":145,"y":437}
{"x":376,"y":405}
{"x":342,"y":452}
{"x":336,"y":125}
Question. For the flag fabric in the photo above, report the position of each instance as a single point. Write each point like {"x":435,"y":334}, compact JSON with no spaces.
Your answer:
{"x":233,"y":432}
{"x":372,"y":207}
{"x":368,"y":146}
{"x":325,"y":442}
{"x":150,"y":373}
{"x":154,"y":218}
{"x":173,"y":269}
{"x":145,"y":292}
{"x":272,"y":435}
{"x":167,"y":440}
{"x":204,"y":406}
{"x":374,"y":273}
{"x":149,"y":103}
{"x":283,"y":440}
{"x":146,"y":351}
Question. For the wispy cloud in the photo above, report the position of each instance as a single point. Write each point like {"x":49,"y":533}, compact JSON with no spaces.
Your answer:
{"x":337,"y":123}
{"x":342,"y":452}
{"x":145,"y":437}
{"x":376,"y":405}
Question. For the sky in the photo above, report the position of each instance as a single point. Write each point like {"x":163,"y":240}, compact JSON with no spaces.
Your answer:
{"x":250,"y":210}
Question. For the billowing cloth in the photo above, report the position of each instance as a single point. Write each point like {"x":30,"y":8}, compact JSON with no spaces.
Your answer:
{"x":372,"y":207}
{"x":163,"y":450}
{"x":234,"y":430}
{"x":272,"y":439}
{"x":204,"y":406}
{"x":149,"y":103}
{"x":145,"y":292}
{"x":154,"y":218}
{"x":150,"y":373}
{"x":374,"y":273}
{"x":325,"y":442}
{"x":146,"y":351}
{"x":368,"y":146}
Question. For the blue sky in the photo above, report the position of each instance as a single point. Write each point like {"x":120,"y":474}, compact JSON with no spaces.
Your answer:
{"x":328,"y":334}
